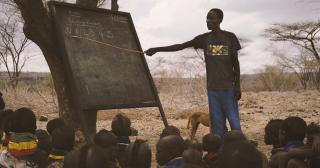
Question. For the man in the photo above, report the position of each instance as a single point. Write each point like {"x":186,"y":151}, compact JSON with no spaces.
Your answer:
{"x":223,"y":71}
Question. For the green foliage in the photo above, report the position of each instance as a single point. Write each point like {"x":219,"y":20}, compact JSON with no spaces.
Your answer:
{"x":48,"y":81}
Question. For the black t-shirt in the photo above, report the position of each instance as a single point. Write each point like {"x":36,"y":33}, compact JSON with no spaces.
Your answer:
{"x":217,"y":52}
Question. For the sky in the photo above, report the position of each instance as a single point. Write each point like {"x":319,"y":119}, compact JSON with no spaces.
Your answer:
{"x":168,"y":22}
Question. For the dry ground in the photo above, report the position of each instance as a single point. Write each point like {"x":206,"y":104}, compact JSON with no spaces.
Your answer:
{"x":256,"y":109}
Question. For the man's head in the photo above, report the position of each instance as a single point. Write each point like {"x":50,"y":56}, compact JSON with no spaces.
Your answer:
{"x":63,"y":138}
{"x":53,"y":124}
{"x":91,"y":155}
{"x":233,"y":135}
{"x":292,"y":128}
{"x":192,"y":156}
{"x":108,"y":141}
{"x":271,"y":136}
{"x":121,"y":125}
{"x":23,"y":120}
{"x":138,"y":154}
{"x":240,"y":154}
{"x":170,"y":130}
{"x":214,"y":18}
{"x":194,"y":144}
{"x":168,"y":148}
{"x":211,"y":142}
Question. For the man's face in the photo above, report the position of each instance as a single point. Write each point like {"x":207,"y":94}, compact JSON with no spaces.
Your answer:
{"x":213,"y":21}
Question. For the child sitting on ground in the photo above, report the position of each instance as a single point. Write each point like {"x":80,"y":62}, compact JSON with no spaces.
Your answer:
{"x":271,"y":137}
{"x":2,"y":104}
{"x":239,"y":154}
{"x":169,"y":151}
{"x":44,"y":141}
{"x":63,"y":139}
{"x":121,"y":129}
{"x":192,"y":156}
{"x":194,"y":144}
{"x":170,"y":130}
{"x":22,"y":149}
{"x":54,"y":123}
{"x":108,"y":141}
{"x":211,"y":143}
{"x":137,"y":155}
{"x":5,"y":127}
{"x":291,"y":135}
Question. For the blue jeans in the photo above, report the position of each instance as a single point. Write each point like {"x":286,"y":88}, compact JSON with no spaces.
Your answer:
{"x":222,"y":106}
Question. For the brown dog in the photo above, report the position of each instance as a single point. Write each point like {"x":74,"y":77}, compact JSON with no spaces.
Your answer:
{"x":195,"y":119}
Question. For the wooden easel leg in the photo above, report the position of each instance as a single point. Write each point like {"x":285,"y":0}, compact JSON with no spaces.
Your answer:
{"x":164,"y":119}
{"x":84,"y":126}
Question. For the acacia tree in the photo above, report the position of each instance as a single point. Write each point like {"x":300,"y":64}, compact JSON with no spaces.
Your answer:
{"x":39,"y":29}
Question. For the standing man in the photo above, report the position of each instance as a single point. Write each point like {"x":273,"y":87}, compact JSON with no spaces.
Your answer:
{"x":223,"y":71}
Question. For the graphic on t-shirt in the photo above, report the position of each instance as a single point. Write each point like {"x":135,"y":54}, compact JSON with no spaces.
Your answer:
{"x":217,"y":50}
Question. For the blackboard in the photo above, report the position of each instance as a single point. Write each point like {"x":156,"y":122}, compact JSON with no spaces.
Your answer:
{"x":103,"y":77}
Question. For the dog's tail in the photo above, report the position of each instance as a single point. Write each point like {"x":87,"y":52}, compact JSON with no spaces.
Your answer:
{"x":188,"y":122}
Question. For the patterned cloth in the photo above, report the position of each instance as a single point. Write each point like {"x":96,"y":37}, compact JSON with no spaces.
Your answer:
{"x":276,"y":149}
{"x":22,"y":144}
{"x":293,"y":144}
{"x":123,"y":142}
{"x":7,"y":160}
{"x":114,"y":163}
{"x":176,"y":162}
{"x":57,"y":154}
{"x":210,"y":160}
{"x":56,"y":164}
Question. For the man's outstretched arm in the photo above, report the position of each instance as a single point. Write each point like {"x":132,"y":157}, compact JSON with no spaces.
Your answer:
{"x":175,"y":47}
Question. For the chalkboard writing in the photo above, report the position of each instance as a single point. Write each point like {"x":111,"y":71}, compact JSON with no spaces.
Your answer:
{"x":103,"y":77}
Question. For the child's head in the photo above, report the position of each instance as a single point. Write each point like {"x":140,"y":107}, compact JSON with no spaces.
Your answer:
{"x":292,"y":128}
{"x":63,"y":138}
{"x":6,"y":125}
{"x":23,"y":120}
{"x":240,"y":154}
{"x":3,"y":115}
{"x":194,"y":144}
{"x":170,"y":130}
{"x":108,"y":141}
{"x":41,"y":134}
{"x":312,"y":129}
{"x":168,"y":148}
{"x":192,"y":156}
{"x":53,"y":124}
{"x":271,"y":136}
{"x":92,"y":155}
{"x":233,"y":135}
{"x":211,"y":142}
{"x":44,"y":141}
{"x":120,"y":125}
{"x":138,"y":154}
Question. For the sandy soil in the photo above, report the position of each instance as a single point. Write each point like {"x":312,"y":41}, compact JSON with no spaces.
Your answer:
{"x":256,"y":109}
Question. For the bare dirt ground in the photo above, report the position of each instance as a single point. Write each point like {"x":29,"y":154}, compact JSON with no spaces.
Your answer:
{"x":256,"y":109}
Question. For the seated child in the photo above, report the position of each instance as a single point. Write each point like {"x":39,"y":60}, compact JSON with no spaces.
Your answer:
{"x":2,"y":104}
{"x":211,"y":143}
{"x":170,"y":130}
{"x":44,"y":141}
{"x":22,"y":149}
{"x":138,"y":154}
{"x":169,"y":151}
{"x":291,"y":135}
{"x":192,"y":156}
{"x":239,"y":154}
{"x":121,"y":129}
{"x":54,"y":123}
{"x":233,"y":135}
{"x":63,"y":139}
{"x":5,"y":124}
{"x":194,"y":144}
{"x":108,"y":141}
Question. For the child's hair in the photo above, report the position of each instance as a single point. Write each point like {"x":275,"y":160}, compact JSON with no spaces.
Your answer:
{"x":23,"y":120}
{"x":98,"y":136}
{"x":136,"y":153}
{"x":63,"y":138}
{"x":311,"y":130}
{"x":4,"y":114}
{"x":233,"y":135}
{"x":192,"y":156}
{"x":294,"y":127}
{"x":120,"y":125}
{"x":274,"y":125}
{"x":212,"y":141}
{"x":170,"y":130}
{"x":240,"y":154}
{"x":41,"y":134}
{"x":53,"y":124}
{"x":92,"y":155}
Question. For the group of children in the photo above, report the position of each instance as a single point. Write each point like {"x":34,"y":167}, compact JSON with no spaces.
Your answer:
{"x":24,"y":146}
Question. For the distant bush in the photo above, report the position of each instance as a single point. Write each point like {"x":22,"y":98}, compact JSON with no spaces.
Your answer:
{"x":48,"y":81}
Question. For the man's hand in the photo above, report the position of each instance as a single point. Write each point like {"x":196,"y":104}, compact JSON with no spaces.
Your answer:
{"x":151,"y":51}
{"x":237,"y":93}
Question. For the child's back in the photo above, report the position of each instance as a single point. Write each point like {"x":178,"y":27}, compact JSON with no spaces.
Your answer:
{"x":137,"y":155}
{"x":211,"y":143}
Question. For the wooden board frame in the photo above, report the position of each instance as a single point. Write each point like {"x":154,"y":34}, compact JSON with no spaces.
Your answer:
{"x":81,"y":109}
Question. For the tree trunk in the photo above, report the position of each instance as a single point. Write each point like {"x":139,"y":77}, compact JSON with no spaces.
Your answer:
{"x":39,"y":29}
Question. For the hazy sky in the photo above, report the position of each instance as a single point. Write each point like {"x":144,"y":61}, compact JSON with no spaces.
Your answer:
{"x":167,"y":22}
